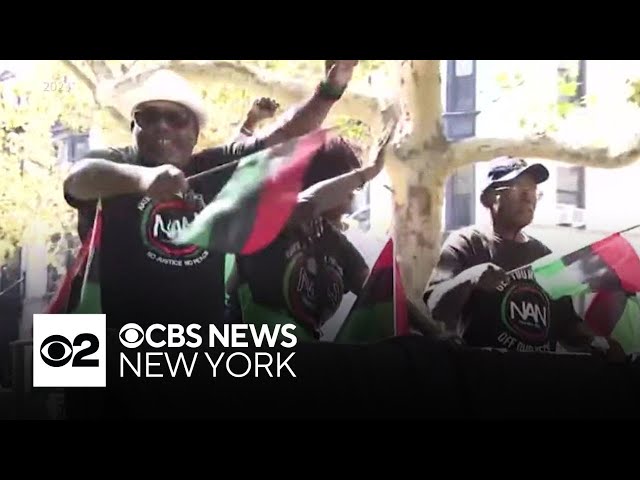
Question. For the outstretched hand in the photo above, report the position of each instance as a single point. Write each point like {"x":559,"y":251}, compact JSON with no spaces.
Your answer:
{"x":339,"y":75}
{"x":378,"y":154}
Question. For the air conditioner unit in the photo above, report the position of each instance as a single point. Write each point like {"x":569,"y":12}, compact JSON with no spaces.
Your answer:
{"x":579,"y":218}
{"x":570,"y":216}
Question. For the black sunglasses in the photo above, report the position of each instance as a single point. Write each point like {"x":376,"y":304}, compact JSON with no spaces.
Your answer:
{"x":151,"y":116}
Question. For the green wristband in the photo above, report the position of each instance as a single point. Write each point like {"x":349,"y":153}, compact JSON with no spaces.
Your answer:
{"x":325,"y":89}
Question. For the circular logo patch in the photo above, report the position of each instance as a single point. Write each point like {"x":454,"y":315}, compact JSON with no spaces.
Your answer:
{"x":526,"y":312}
{"x":161,"y":223}
{"x":303,"y":281}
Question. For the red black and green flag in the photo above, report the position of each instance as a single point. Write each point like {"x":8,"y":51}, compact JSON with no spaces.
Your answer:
{"x":609,"y":264}
{"x":255,"y":204}
{"x":616,"y":314}
{"x":85,"y":272}
{"x":380,"y":310}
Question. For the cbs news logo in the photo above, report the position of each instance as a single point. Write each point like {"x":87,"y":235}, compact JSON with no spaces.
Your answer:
{"x":69,"y":350}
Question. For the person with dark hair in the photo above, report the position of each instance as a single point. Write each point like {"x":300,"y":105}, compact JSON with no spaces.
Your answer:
{"x":301,"y":277}
{"x":265,"y":108}
{"x":479,"y":288}
{"x":146,"y":199}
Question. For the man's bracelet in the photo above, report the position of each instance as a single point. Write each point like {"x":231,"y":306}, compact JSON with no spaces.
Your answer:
{"x":246,"y":132}
{"x":326,"y":90}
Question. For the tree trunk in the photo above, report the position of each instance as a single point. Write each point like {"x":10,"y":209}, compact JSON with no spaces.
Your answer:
{"x":417,"y":220}
{"x":418,"y":170}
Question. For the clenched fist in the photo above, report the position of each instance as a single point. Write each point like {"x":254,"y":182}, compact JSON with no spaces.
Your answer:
{"x":163,"y":183}
{"x":262,"y":109}
{"x":488,"y":276}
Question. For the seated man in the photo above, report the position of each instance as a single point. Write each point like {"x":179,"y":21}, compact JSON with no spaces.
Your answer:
{"x":475,"y":291}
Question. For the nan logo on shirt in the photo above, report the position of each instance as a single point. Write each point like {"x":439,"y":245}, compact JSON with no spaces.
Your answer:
{"x":526,"y":312}
{"x":301,"y":286}
{"x":160,"y":224}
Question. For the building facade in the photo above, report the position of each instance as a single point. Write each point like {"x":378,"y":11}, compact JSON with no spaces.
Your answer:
{"x":28,"y":280}
{"x":579,"y":202}
{"x":498,"y":98}
{"x":580,"y":205}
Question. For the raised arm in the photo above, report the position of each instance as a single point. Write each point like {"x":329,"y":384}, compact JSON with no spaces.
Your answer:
{"x":261,"y":109}
{"x":328,"y":194}
{"x":312,"y":113}
{"x":297,"y":122}
{"x":333,"y":192}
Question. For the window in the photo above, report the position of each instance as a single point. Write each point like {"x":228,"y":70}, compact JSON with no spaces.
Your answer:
{"x":460,"y":115}
{"x":572,"y":89}
{"x":62,"y":150}
{"x":72,"y":147}
{"x":80,"y":146}
{"x":460,"y":122}
{"x":570,"y":190}
{"x":460,"y":198}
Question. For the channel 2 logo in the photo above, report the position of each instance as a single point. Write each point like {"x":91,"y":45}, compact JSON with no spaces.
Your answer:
{"x":69,"y":350}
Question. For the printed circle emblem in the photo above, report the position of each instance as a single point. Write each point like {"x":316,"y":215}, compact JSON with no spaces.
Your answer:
{"x":301,"y":281}
{"x":526,"y":312}
{"x":161,"y":224}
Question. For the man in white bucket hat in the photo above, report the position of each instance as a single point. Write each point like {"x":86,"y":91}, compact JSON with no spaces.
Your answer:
{"x":144,"y":277}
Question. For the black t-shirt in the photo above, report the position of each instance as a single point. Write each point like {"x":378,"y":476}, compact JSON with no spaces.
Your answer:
{"x":305,"y":272}
{"x":144,"y":277}
{"x":518,"y":316}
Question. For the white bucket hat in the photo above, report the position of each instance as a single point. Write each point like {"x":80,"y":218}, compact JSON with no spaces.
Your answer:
{"x":168,"y":86}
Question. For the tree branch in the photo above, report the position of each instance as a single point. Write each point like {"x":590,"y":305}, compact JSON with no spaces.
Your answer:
{"x":118,"y":116}
{"x":359,"y":104}
{"x":126,"y":69}
{"x":474,"y":150}
{"x":421,"y":105}
{"x":100,"y":69}
{"x":94,"y":89}
{"x":80,"y":75}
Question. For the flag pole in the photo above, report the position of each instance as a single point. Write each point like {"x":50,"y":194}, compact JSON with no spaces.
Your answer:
{"x":225,"y":166}
{"x":217,"y":169}
{"x":630,"y":228}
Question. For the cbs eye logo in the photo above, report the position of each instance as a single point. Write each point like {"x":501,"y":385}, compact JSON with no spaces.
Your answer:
{"x":131,"y":335}
{"x":57,"y":351}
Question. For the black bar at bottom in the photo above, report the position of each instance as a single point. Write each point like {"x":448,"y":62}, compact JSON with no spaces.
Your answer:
{"x":401,"y":377}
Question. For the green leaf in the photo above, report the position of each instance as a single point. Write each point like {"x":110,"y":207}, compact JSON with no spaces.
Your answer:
{"x":502,"y":79}
{"x":30,"y":179}
{"x":564,"y":108}
{"x":567,"y":88}
{"x":634,"y":91}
